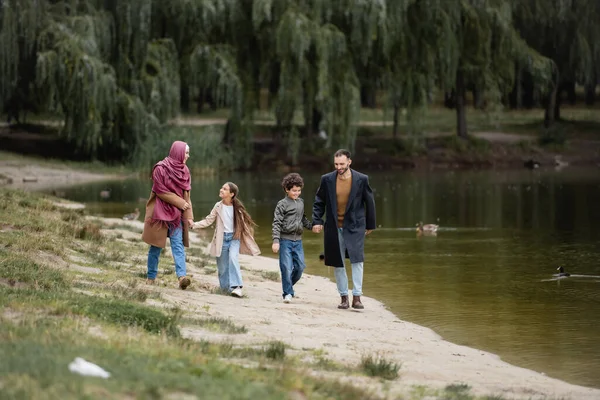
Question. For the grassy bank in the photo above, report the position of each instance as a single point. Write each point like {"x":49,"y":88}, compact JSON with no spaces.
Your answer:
{"x":72,"y":286}
{"x":95,"y":167}
{"x":578,"y":120}
{"x":499,"y":138}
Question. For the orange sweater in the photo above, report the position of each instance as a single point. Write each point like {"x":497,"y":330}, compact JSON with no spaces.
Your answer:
{"x":342,"y":193}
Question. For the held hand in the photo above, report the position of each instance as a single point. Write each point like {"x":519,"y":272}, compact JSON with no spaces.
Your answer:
{"x":368,"y":231}
{"x":186,"y":205}
{"x":275,"y":247}
{"x":317,"y":228}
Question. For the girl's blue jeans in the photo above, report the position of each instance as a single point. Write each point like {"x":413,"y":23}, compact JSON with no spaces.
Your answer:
{"x":228,"y":265}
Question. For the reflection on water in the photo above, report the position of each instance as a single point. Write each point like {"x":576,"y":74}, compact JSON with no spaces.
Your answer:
{"x":484,"y":281}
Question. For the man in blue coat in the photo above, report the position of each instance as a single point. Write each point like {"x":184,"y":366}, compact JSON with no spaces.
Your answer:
{"x":346,"y":199}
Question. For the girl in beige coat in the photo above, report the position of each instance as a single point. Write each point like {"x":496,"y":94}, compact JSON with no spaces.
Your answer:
{"x":234,"y":234}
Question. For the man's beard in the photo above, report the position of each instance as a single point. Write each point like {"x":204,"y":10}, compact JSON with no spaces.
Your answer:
{"x":343,"y":171}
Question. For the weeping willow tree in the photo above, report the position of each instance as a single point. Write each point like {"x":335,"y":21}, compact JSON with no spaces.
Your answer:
{"x":95,"y":65}
{"x":415,"y":36}
{"x":316,"y":44}
{"x":481,"y":49}
{"x":117,"y":70}
{"x":210,"y":39}
{"x":567,"y":32}
{"x":20,"y":23}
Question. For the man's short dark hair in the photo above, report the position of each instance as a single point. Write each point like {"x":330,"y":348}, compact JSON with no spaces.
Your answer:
{"x":291,"y":180}
{"x":342,"y":152}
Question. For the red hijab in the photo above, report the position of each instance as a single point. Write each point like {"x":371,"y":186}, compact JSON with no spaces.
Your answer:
{"x":170,"y":175}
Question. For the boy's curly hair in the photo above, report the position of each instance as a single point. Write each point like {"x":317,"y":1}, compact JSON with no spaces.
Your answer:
{"x":291,"y":180}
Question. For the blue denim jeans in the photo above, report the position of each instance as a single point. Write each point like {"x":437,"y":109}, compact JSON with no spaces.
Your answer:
{"x":291,"y":264}
{"x":228,"y":265}
{"x":340,"y":273}
{"x":176,"y":239}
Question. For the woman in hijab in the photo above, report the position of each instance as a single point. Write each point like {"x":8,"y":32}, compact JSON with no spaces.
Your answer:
{"x":169,"y":212}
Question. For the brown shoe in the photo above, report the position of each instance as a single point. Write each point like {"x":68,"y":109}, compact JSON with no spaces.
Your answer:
{"x":356,"y":303}
{"x":150,"y":281}
{"x":344,"y":304}
{"x":184,"y":282}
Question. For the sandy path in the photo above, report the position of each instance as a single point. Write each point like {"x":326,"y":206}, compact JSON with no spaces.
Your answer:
{"x":314,"y":322}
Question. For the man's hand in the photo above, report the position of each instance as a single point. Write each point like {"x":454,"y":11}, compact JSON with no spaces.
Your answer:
{"x":191,"y":223}
{"x":368,"y":231}
{"x":317,"y":228}
{"x":275,"y":247}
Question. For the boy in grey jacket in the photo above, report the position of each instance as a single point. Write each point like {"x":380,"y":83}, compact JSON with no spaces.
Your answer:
{"x":288,"y":223}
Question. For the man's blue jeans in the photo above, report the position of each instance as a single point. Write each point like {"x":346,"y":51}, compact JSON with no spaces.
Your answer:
{"x":341,"y":277}
{"x":176,"y":239}
{"x":291,"y":264}
{"x":228,"y":265}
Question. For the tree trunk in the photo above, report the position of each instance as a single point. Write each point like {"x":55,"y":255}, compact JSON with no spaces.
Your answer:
{"x":478,"y":101}
{"x":590,"y":94}
{"x":396,"y":115}
{"x":200,"y":102}
{"x":461,"y":112}
{"x":557,"y":108}
{"x":368,"y":96}
{"x":551,"y":107}
{"x":515,"y":98}
{"x":450,"y":99}
{"x":184,"y":98}
{"x":227,"y":138}
{"x":571,"y":95}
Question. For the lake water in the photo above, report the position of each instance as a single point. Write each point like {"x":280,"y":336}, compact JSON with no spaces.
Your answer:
{"x":485,"y":281}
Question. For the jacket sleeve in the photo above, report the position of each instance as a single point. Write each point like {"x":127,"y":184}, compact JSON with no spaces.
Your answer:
{"x":208,"y":220}
{"x":172,"y":199}
{"x":369,"y":201}
{"x":319,"y":204}
{"x":306,"y":223}
{"x":277,"y":222}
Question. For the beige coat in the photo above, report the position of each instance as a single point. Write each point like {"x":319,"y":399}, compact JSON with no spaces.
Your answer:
{"x":156,"y":234}
{"x":247,"y":243}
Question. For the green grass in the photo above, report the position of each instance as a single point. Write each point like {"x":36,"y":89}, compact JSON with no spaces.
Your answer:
{"x":275,"y":350}
{"x":438,"y":119}
{"x":95,"y":167}
{"x":270,"y":275}
{"x":217,"y":324}
{"x":15,"y":268}
{"x":377,"y":365}
{"x":51,"y":314}
{"x":35,"y":366}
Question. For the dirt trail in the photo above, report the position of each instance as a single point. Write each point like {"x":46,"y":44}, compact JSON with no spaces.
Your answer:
{"x":312,"y":324}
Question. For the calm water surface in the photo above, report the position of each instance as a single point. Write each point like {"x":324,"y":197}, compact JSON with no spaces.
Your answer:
{"x":484,"y":280}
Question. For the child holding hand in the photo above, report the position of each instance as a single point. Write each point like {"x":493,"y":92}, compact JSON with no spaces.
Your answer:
{"x":233,"y":235}
{"x":289,"y":221}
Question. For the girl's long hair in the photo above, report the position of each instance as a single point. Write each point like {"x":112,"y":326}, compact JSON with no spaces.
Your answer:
{"x":242,"y":221}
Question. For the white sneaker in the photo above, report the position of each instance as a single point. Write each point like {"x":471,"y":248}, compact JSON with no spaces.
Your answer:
{"x":287,"y":298}
{"x":237,"y":292}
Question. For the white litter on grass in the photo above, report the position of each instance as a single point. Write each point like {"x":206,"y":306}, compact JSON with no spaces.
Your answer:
{"x":86,"y":368}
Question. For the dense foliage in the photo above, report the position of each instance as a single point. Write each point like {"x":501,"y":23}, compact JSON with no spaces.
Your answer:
{"x":117,"y":70}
